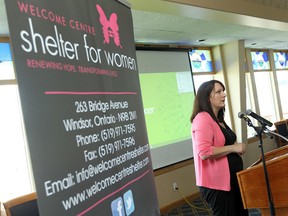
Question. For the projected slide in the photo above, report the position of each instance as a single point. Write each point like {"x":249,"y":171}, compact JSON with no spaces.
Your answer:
{"x":167,"y":95}
{"x":167,"y":99}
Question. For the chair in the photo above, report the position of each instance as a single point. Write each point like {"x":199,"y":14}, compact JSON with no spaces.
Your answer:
{"x":282,"y":129}
{"x":22,"y":206}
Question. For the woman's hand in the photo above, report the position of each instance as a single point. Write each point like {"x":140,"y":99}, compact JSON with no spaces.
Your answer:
{"x":239,"y":148}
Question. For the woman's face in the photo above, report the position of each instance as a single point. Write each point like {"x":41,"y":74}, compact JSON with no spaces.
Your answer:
{"x":217,"y":97}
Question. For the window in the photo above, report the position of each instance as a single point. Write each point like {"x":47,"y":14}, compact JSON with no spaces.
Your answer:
{"x":265,"y":95}
{"x":201,"y":61}
{"x":282,"y":77}
{"x":201,"y":65}
{"x":265,"y":102}
{"x":260,"y":60}
{"x":13,"y":148}
{"x":198,"y":80}
{"x":13,"y":152}
{"x":6,"y":64}
{"x":280,"y":60}
{"x":250,"y":130}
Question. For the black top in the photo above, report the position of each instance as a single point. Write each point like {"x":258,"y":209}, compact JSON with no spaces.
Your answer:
{"x":234,"y":159}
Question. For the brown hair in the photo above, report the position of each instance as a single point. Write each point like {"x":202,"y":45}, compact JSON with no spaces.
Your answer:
{"x":202,"y":102}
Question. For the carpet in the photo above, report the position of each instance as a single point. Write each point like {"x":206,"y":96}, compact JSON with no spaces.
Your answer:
{"x":199,"y":207}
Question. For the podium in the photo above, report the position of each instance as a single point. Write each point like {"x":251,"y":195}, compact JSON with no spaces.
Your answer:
{"x":253,"y":186}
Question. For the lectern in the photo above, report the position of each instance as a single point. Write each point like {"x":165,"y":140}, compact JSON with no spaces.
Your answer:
{"x":253,"y":185}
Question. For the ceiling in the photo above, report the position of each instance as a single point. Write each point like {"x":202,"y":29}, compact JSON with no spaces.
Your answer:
{"x":174,"y":24}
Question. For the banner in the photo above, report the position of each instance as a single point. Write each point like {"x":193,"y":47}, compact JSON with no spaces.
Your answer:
{"x":78,"y":80}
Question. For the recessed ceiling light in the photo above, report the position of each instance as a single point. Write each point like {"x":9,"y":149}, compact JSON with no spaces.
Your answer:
{"x":201,"y":41}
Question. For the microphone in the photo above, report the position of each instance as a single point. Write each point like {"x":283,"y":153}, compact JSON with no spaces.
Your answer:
{"x":245,"y":117}
{"x":262,"y":120}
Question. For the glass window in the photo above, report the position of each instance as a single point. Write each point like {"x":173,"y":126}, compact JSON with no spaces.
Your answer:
{"x":16,"y":179}
{"x":280,"y":59}
{"x":199,"y":79}
{"x":201,"y":60}
{"x":6,"y":64}
{"x":250,"y":130}
{"x":260,"y":60}
{"x":265,"y":96}
{"x":282,"y":77}
{"x":13,"y":147}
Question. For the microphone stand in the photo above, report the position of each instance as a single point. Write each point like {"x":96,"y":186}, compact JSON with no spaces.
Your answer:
{"x":259,"y":131}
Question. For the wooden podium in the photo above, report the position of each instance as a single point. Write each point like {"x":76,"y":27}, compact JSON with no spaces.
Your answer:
{"x":253,"y":185}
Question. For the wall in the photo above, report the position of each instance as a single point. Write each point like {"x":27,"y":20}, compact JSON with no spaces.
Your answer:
{"x":185,"y":179}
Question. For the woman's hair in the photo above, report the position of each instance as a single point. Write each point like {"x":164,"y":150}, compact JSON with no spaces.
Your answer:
{"x":202,"y":102}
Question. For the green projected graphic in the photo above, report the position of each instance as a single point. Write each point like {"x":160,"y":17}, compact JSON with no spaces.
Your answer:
{"x":168,"y":98}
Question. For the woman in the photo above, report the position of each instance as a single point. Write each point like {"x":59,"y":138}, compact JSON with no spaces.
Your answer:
{"x":217,"y":156}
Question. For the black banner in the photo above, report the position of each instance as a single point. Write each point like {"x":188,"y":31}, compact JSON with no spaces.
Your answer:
{"x":78,"y":80}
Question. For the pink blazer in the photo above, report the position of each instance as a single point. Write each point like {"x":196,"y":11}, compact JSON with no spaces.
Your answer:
{"x":206,"y":135}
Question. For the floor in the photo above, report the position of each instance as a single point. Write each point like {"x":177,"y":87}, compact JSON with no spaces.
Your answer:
{"x":199,"y":207}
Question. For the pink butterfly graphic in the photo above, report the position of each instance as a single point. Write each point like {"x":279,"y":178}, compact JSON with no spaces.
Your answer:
{"x":109,"y":27}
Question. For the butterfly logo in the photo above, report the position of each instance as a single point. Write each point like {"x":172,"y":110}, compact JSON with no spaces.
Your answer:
{"x":109,"y":27}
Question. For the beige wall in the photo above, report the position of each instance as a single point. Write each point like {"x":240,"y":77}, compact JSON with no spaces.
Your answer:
{"x":185,"y":179}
